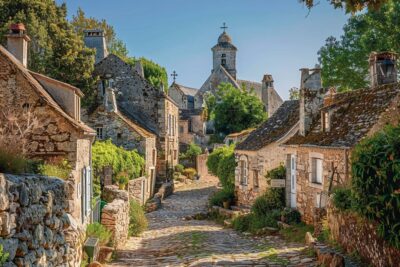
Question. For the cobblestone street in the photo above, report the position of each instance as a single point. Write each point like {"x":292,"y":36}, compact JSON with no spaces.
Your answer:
{"x":173,"y":241}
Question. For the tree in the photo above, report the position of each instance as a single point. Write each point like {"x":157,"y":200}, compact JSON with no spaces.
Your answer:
{"x":349,"y":5}
{"x":345,"y":61}
{"x":221,"y":162}
{"x":236,"y":110}
{"x":294,"y":93}
{"x":55,"y":49}
{"x":155,"y":74}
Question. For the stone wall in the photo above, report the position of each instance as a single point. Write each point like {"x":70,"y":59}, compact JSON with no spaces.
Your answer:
{"x":137,"y":190}
{"x":36,"y":227}
{"x":115,"y":215}
{"x":355,"y":234}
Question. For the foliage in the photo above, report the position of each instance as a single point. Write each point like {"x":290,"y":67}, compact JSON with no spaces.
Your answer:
{"x":123,"y":180}
{"x":55,"y":48}
{"x":61,"y":169}
{"x":190,"y":173}
{"x":294,"y":93}
{"x":137,"y":219}
{"x":99,"y":231}
{"x":272,"y":199}
{"x":13,"y":163}
{"x":226,"y":194}
{"x":345,"y":61}
{"x":351,"y":6}
{"x":105,"y":153}
{"x":376,"y":181}
{"x":236,"y":109}
{"x":221,"y":162}
{"x":155,"y":74}
{"x":3,"y":256}
{"x":252,"y":222}
{"x":193,"y":150}
{"x":290,"y":216}
{"x":216,"y":139}
{"x":277,"y":173}
{"x":342,"y":198}
{"x":179,"y":168}
{"x":296,"y":233}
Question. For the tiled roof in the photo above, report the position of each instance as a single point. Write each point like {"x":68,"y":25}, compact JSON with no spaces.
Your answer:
{"x":354,"y":113}
{"x":40,"y":90}
{"x":250,"y":85}
{"x":187,"y":90}
{"x":283,"y":120}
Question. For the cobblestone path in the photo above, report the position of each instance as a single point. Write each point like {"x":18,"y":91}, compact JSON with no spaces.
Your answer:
{"x":172,"y":241}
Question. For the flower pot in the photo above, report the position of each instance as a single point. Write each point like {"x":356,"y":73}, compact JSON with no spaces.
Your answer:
{"x":121,"y":187}
{"x":226,"y":204}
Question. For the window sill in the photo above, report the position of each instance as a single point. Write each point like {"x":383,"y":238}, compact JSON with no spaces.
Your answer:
{"x":316,"y":185}
{"x":243,"y":186}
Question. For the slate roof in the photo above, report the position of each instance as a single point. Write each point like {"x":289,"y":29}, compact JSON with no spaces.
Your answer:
{"x":250,"y":84}
{"x":41,"y":91}
{"x":284,"y":119}
{"x":138,"y":118}
{"x":187,"y":90}
{"x":136,"y":127}
{"x":354,"y":113}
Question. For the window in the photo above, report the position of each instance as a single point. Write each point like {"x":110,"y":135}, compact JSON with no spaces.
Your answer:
{"x":326,"y":122}
{"x":180,"y":129}
{"x":223,"y":59}
{"x":255,"y":179}
{"x":316,"y":165}
{"x":153,"y":156}
{"x":26,"y":107}
{"x":243,"y":170}
{"x":99,"y":133}
{"x":175,"y":154}
{"x":119,"y":135}
{"x":86,"y":183}
{"x":190,"y":126}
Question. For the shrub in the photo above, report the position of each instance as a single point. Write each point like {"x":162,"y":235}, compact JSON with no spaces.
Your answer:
{"x":193,"y":151}
{"x":290,"y":216}
{"x":242,"y":223}
{"x":226,"y":194}
{"x":376,"y":181}
{"x":179,"y":168}
{"x":221,"y":162}
{"x":61,"y":169}
{"x":272,"y":199}
{"x":99,"y":231}
{"x":190,"y":173}
{"x":277,"y":173}
{"x":342,"y":198}
{"x":137,"y":219}
{"x":252,"y":223}
{"x":297,"y":232}
{"x":13,"y":163}
{"x":3,"y":256}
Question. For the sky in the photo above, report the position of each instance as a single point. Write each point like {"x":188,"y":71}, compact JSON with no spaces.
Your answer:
{"x":275,"y":37}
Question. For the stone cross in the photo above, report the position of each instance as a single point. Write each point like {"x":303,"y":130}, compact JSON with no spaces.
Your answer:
{"x":224,"y":27}
{"x":174,"y":74}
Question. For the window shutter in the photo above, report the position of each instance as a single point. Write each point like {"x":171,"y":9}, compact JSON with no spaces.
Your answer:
{"x":83,"y":194}
{"x":88,"y":189}
{"x":313,"y":170}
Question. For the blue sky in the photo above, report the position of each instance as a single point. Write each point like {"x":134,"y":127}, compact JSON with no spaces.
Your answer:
{"x":274,"y":37}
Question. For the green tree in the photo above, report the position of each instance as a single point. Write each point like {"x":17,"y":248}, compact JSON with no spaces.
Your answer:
{"x":345,"y":61}
{"x":221,"y":162}
{"x":349,"y":5}
{"x":236,"y":110}
{"x":155,"y":74}
{"x":55,"y":49}
{"x":294,"y":93}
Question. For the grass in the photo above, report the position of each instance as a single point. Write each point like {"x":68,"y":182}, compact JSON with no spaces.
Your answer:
{"x":272,"y":255}
{"x":296,"y":233}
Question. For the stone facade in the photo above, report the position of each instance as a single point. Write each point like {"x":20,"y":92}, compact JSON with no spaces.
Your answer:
{"x":37,"y":228}
{"x":115,"y":215}
{"x":138,"y":190}
{"x":355,"y":234}
{"x":60,"y":134}
{"x":147,"y":106}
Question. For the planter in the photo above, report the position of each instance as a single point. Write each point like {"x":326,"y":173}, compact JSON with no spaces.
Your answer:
{"x":121,"y":186}
{"x":226,"y":204}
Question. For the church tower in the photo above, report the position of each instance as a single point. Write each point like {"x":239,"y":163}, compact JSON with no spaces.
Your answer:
{"x":224,"y":53}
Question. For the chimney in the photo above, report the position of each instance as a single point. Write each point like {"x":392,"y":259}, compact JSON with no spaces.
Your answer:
{"x":110,"y":102}
{"x":329,"y":98}
{"x":382,"y":68}
{"x":139,"y":68}
{"x":96,"y":39}
{"x":17,"y":42}
{"x":311,"y":97}
{"x":267,"y":83}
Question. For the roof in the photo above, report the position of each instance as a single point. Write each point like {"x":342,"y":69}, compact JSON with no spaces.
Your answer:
{"x":186,"y":90}
{"x":44,"y":94}
{"x":136,"y":127}
{"x":40,"y":77}
{"x":185,"y":114}
{"x":273,"y":129}
{"x":241,"y":133}
{"x":249,"y":85}
{"x":138,"y":119}
{"x":224,"y":41}
{"x":353,"y":114}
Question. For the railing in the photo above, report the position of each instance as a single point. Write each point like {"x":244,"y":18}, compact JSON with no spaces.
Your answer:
{"x":96,"y":210}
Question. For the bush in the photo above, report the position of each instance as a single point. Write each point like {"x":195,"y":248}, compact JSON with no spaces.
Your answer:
{"x":272,"y":199}
{"x":179,"y":168}
{"x":252,"y":223}
{"x":3,"y":256}
{"x":226,"y":194}
{"x":61,"y":169}
{"x":290,"y":216}
{"x":376,"y":181}
{"x":190,"y":173}
{"x":242,"y":223}
{"x":99,"y":231}
{"x":221,"y":162}
{"x":193,"y":151}
{"x":14,"y":163}
{"x":137,"y":219}
{"x":342,"y":198}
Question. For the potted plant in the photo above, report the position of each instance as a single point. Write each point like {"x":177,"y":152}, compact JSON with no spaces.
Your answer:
{"x":226,"y":203}
{"x":122,"y":181}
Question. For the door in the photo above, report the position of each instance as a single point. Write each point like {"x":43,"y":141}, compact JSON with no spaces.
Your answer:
{"x":293,"y":181}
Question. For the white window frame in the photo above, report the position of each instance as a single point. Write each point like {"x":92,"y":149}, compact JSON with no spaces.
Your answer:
{"x":100,"y":132}
{"x":317,"y":170}
{"x":243,"y":170}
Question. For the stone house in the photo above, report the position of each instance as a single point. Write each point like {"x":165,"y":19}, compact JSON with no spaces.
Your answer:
{"x":140,"y":102}
{"x":261,"y":152}
{"x":331,"y":124}
{"x":192,"y":127}
{"x":111,"y":123}
{"x":60,"y":134}
{"x":182,"y":95}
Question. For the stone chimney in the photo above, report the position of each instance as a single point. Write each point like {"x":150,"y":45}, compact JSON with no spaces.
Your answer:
{"x":139,"y":68}
{"x":17,"y":42}
{"x":382,"y":68}
{"x":96,"y":39}
{"x":110,"y":102}
{"x":329,"y":98}
{"x":311,"y":97}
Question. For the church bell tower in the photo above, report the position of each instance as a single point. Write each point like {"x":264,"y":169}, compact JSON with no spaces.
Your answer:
{"x":224,"y":53}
